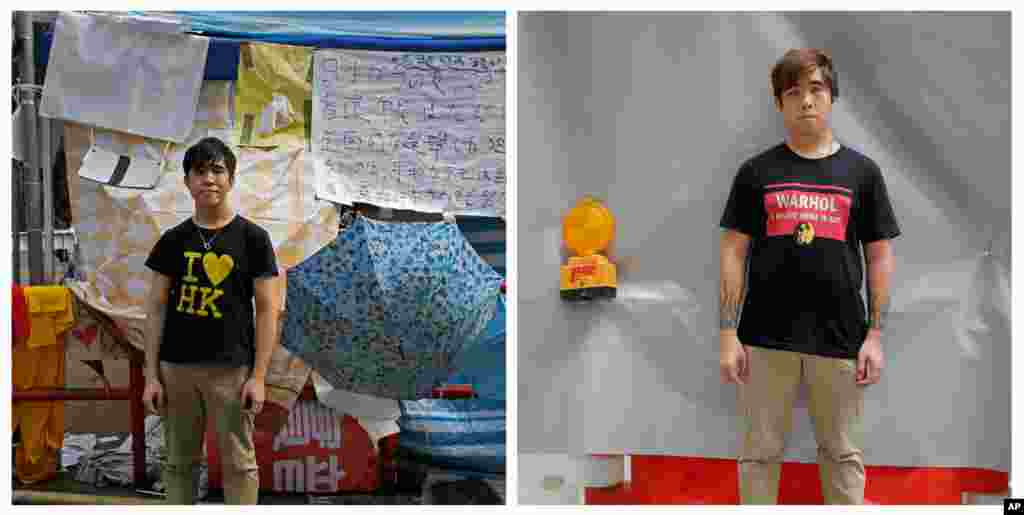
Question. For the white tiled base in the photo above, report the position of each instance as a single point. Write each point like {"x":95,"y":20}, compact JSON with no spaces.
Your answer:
{"x":560,"y":479}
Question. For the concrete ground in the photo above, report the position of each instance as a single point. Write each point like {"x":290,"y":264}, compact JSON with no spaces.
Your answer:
{"x":66,"y":490}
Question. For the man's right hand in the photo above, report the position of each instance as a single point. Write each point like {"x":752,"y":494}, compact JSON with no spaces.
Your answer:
{"x":153,"y":396}
{"x":734,"y":360}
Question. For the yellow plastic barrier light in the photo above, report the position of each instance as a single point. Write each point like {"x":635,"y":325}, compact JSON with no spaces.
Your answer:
{"x":587,"y":230}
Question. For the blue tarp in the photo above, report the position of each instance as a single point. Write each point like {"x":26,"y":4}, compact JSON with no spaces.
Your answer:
{"x":453,"y":25}
{"x":425,"y":32}
{"x":487,"y":236}
{"x":465,"y":434}
{"x":393,"y":31}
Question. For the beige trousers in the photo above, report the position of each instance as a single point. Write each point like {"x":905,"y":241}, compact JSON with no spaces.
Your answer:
{"x":836,"y":403}
{"x":195,"y":393}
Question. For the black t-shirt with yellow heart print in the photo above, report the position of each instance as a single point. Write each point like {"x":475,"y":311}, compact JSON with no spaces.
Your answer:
{"x":210,"y":314}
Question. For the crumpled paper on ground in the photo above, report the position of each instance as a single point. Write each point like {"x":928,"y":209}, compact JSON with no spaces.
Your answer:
{"x":75,"y":447}
{"x":114,"y":466}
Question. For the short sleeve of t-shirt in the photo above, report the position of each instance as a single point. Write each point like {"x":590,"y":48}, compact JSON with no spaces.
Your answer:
{"x":159,"y":259}
{"x":263,"y":262}
{"x":743,"y":210}
{"x":875,"y":217}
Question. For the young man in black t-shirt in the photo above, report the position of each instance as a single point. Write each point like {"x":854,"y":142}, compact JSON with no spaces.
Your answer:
{"x":209,"y":344}
{"x":802,"y":212}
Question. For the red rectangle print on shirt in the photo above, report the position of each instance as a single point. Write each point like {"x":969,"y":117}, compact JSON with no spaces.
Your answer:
{"x":817,"y":211}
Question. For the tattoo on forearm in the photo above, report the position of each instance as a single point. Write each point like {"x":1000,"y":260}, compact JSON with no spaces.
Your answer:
{"x":879,"y":313}
{"x":878,"y":257}
{"x":729,"y":308}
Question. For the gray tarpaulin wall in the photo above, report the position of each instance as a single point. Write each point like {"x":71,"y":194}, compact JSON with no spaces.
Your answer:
{"x":655,"y":113}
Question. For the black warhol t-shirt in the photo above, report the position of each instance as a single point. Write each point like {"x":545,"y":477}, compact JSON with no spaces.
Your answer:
{"x":210,"y":313}
{"x":807,"y":219}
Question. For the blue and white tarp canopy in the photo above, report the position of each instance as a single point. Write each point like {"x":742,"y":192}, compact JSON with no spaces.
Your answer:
{"x":394,"y":31}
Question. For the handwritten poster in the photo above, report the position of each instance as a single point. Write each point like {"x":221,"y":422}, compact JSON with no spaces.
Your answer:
{"x":420,"y":131}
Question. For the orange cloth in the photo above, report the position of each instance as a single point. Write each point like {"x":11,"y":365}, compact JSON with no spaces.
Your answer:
{"x":21,"y":327}
{"x":51,"y":313}
{"x":41,"y":423}
{"x":40,"y":363}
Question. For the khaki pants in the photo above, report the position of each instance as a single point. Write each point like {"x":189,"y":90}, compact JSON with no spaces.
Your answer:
{"x":836,"y":404}
{"x":195,"y":393}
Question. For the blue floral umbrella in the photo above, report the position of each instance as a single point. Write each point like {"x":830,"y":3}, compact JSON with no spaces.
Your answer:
{"x":385,"y":308}
{"x":482,"y":365}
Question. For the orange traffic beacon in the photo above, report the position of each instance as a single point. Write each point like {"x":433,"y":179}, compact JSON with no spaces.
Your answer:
{"x":587,"y":230}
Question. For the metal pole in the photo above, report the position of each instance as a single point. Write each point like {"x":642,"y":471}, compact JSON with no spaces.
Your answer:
{"x":46,"y":161}
{"x":16,"y":172}
{"x":137,"y":380}
{"x":19,"y":497}
{"x":32,"y":179}
{"x":75,"y":394}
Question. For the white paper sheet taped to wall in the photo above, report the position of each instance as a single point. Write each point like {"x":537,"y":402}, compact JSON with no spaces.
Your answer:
{"x":127,"y":75}
{"x":411,"y":131}
{"x":106,"y":167}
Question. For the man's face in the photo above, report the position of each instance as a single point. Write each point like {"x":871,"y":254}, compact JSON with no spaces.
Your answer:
{"x":209,"y":183}
{"x":806,"y":107}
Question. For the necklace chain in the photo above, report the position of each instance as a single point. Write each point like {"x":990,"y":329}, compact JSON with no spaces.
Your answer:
{"x":207,"y":244}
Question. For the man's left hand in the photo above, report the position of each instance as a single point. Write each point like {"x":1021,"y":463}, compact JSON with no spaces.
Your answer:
{"x":253,"y":393}
{"x":870,"y":360}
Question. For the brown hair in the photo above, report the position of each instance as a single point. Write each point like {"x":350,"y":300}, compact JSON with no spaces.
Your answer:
{"x":794,"y":63}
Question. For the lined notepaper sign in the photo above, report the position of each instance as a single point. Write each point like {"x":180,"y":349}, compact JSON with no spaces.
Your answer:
{"x":421,"y":131}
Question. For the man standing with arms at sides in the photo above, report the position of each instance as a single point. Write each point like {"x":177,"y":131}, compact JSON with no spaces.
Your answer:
{"x":207,"y":348}
{"x":801,"y":211}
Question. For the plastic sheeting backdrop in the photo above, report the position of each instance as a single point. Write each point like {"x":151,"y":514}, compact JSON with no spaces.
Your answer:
{"x":655,"y":113}
{"x":436,"y":26}
{"x":466,"y":434}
